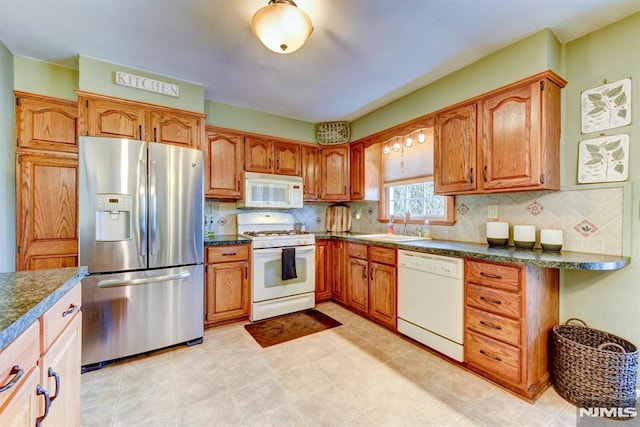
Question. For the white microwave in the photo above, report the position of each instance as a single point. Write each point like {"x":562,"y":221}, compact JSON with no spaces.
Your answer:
{"x":263,"y":190}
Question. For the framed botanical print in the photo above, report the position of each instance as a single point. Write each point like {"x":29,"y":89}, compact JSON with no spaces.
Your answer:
{"x":606,"y":107}
{"x":603,"y":159}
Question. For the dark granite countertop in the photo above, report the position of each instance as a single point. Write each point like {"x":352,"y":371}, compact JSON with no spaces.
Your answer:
{"x":26,"y":295}
{"x":534,"y":257}
{"x":226,"y":239}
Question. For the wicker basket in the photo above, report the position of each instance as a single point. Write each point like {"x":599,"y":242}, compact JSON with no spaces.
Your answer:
{"x":330,"y":133}
{"x":592,"y":368}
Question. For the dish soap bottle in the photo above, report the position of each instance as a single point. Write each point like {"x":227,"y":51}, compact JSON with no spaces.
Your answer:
{"x":426,"y":233}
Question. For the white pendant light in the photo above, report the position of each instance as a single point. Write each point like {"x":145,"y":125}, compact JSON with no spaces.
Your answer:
{"x":422,"y":137}
{"x":408,"y":142}
{"x":396,"y":145}
{"x":281,"y":26}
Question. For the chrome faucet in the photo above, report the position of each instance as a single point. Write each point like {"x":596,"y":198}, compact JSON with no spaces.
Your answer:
{"x":404,"y":219}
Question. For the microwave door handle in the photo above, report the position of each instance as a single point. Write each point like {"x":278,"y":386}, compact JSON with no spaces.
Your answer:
{"x":152,"y":208}
{"x":142,"y":210}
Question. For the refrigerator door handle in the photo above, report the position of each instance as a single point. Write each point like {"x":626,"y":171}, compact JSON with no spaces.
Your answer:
{"x":115,"y":283}
{"x":142,"y":200}
{"x":152,"y":208}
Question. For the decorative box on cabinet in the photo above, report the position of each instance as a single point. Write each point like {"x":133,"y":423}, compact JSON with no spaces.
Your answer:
{"x":509,"y":312}
{"x":227,"y":280}
{"x":506,"y":140}
{"x":224,"y":162}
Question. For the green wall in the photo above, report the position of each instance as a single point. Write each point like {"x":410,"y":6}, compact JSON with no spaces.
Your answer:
{"x":605,"y":300}
{"x":539,"y":52}
{"x":99,"y":77}
{"x":44,"y":78}
{"x":244,"y":119}
{"x":7,"y":164}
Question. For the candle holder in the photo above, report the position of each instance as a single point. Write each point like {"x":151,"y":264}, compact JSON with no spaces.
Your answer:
{"x":551,"y":240}
{"x":524,"y":236}
{"x":497,"y":233}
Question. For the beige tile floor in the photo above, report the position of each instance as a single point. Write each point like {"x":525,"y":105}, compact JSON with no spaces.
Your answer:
{"x":354,"y":375}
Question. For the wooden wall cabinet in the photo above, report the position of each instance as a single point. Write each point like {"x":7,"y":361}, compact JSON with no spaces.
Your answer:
{"x":455,"y":151}
{"x":334,"y":170}
{"x":48,"y":352}
{"x":365,"y":171}
{"x":371,"y":282}
{"x":44,"y":123}
{"x":310,"y":172}
{"x":509,"y":312}
{"x":227,"y":283}
{"x":119,"y":118}
{"x":507,"y":140}
{"x":267,"y":156}
{"x":323,"y":270}
{"x":47,"y":210}
{"x":224,"y":162}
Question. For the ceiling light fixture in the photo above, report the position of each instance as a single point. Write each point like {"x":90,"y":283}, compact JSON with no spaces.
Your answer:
{"x":281,"y":26}
{"x":386,"y":149}
{"x":408,"y":142}
{"x":422,"y":137}
{"x":396,"y":145}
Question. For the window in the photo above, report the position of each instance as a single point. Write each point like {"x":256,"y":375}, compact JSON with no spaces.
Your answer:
{"x":408,"y":180}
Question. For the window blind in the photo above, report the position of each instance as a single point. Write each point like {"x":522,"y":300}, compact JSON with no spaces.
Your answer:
{"x":410,"y":163}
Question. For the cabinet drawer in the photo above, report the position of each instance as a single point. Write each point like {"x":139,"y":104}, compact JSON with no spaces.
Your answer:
{"x":496,"y":275}
{"x":499,"y":359}
{"x":22,"y":352}
{"x":492,"y":325}
{"x":227,"y":253}
{"x":60,"y":315}
{"x":382,"y":255}
{"x":493,"y":300}
{"x":357,"y":250}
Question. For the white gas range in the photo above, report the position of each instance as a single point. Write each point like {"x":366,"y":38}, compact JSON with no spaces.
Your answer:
{"x":282,"y":264}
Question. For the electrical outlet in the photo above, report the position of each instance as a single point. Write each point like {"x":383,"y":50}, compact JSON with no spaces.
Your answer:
{"x":492,"y":211}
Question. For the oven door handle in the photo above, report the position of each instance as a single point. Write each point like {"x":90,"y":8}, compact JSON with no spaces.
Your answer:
{"x":270,"y":251}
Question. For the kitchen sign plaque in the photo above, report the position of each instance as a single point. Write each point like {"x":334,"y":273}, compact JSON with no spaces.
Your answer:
{"x":145,"y":83}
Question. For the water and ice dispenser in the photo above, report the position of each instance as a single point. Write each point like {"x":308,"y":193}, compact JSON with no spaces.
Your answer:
{"x":113,"y":217}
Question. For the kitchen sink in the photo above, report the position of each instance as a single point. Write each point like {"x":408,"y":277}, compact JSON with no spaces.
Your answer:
{"x":392,"y":238}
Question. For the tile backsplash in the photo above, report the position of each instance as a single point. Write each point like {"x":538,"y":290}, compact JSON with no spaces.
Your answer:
{"x":591,"y":219}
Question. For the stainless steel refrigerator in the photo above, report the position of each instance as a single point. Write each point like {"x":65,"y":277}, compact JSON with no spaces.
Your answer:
{"x":140,"y":222}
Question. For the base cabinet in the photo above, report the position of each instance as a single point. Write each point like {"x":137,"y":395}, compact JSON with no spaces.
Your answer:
{"x":509,"y":312}
{"x":336,"y":272}
{"x":323,"y":270}
{"x":47,"y":390}
{"x":227,"y":283}
{"x":371,"y":282}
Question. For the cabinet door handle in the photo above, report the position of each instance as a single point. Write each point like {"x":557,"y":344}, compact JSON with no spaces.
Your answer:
{"x":491,"y":275}
{"x":490,"y":356}
{"x":230,"y":254}
{"x":155,"y":134}
{"x":471,"y":176}
{"x":278,"y":164}
{"x":47,"y":404}
{"x":269,"y":163}
{"x":54,"y":374}
{"x":246,"y":272}
{"x":72,"y":309}
{"x":17,"y":374}
{"x":371,"y":274}
{"x":490,"y":325}
{"x":491,"y":300}
{"x":238,"y":185}
{"x":345,"y":189}
{"x":484,"y":173}
{"x":140,"y":132}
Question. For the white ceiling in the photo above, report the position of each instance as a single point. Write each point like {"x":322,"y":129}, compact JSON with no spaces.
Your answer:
{"x":361,"y":55}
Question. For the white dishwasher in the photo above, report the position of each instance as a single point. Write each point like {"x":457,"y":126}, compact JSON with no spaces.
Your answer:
{"x":431,"y":301}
